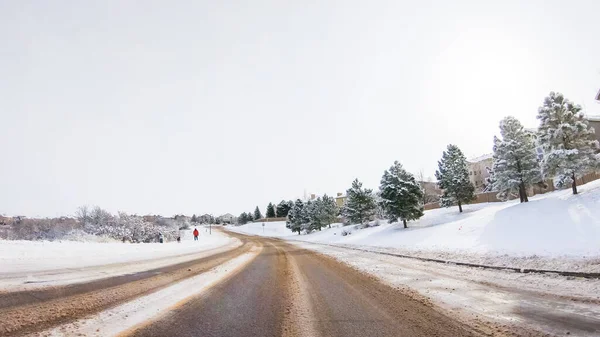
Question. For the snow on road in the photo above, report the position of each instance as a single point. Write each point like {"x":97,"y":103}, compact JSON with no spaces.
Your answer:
{"x":556,"y":230}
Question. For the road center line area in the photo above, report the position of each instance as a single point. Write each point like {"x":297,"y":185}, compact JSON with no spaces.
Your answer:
{"x":289,"y":291}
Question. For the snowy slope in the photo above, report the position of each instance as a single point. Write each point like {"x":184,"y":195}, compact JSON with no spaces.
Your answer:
{"x":36,"y":256}
{"x":553,"y":224}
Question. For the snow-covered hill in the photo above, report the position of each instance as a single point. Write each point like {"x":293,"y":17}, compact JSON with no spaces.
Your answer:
{"x":553,"y":224}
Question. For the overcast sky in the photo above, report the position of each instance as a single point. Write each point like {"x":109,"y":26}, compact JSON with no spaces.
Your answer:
{"x":169,"y":107}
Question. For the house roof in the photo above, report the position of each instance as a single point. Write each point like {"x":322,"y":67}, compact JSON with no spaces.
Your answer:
{"x":481,"y":158}
{"x":593,"y":118}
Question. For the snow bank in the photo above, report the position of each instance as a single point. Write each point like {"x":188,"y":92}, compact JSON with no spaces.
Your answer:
{"x":550,"y":225}
{"x":272,"y":229}
{"x":35,"y":256}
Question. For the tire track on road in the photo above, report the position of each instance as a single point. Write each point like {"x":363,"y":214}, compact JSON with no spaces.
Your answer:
{"x":28,"y":312}
{"x":293,"y":292}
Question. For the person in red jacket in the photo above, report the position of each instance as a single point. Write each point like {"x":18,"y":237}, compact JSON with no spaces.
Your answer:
{"x":196,"y":234}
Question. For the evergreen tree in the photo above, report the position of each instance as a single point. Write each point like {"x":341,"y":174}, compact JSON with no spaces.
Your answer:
{"x":310,"y":216}
{"x":243,"y":219}
{"x":270,"y":211}
{"x":490,"y":180}
{"x":295,"y":217}
{"x":194,"y":219}
{"x":567,"y":140}
{"x":257,"y":214}
{"x":250,"y":217}
{"x":283,"y":208}
{"x":329,"y":210}
{"x":453,"y":178}
{"x":401,"y":195}
{"x":516,"y":165}
{"x":360,"y":203}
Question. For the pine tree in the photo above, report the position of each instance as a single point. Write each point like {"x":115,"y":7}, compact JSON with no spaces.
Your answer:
{"x":250,"y":217}
{"x":242,"y":219}
{"x":310,"y":216}
{"x":401,"y":195}
{"x":360,"y":203}
{"x":490,"y":180}
{"x":329,"y":210}
{"x":516,"y":165}
{"x":257,"y":214}
{"x":567,"y":140}
{"x":453,"y":178}
{"x":270,"y":211}
{"x":295,"y":217}
{"x":194,"y":219}
{"x":283,"y":208}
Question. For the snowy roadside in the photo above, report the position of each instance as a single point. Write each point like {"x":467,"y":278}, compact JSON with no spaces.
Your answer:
{"x":549,"y":303}
{"x":568,"y":263}
{"x":127,"y":316}
{"x":582,"y":264}
{"x":36,"y":256}
{"x":554,"y":231}
{"x":27,"y":265}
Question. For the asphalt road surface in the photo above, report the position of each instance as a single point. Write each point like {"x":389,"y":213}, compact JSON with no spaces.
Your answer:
{"x":287,"y":291}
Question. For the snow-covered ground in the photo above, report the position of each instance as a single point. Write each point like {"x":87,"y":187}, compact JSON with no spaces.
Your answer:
{"x":556,"y":230}
{"x":36,"y":256}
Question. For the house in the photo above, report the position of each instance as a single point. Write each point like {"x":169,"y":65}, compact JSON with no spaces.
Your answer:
{"x":431,"y":190}
{"x":227,"y":218}
{"x":594,"y":122}
{"x":340,"y":199}
{"x":5,"y":221}
{"x":478,"y":170}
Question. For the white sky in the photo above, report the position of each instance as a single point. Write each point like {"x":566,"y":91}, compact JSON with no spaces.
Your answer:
{"x":210,"y":107}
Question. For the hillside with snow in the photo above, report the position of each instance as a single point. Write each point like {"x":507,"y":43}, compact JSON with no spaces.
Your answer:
{"x":21,"y":256}
{"x":556,"y":224}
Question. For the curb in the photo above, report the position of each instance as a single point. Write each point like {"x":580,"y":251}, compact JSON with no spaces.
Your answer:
{"x":467,"y":264}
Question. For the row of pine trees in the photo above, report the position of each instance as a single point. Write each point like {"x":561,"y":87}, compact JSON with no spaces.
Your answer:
{"x":568,"y":151}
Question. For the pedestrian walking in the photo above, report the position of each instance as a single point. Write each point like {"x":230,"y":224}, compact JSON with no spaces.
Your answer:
{"x":196,"y":233}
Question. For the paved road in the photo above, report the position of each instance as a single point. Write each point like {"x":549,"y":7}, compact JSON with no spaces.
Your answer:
{"x":287,"y":291}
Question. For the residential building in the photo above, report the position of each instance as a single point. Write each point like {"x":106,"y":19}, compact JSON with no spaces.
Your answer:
{"x":478,"y":170}
{"x":432,"y":191}
{"x":340,"y":199}
{"x":594,"y":122}
{"x":227,"y":218}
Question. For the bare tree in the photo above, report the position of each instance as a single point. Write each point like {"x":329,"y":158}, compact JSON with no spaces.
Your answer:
{"x":428,"y":196}
{"x":83,"y":214}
